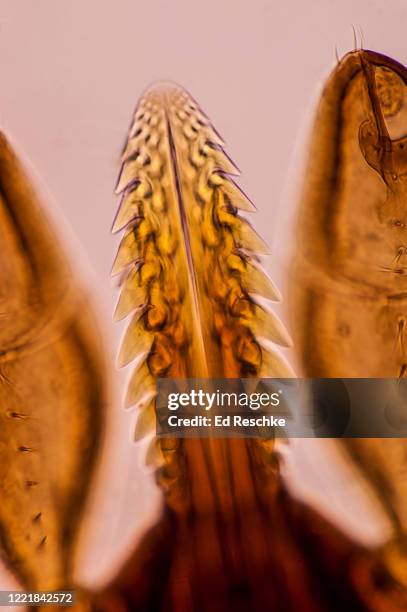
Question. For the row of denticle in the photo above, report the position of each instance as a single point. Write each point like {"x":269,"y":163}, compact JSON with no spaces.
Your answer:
{"x":232,"y":274}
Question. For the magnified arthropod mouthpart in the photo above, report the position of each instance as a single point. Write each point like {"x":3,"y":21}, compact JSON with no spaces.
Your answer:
{"x":348,"y":281}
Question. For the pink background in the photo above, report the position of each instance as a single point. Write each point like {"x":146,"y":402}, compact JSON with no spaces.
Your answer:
{"x":71,"y":73}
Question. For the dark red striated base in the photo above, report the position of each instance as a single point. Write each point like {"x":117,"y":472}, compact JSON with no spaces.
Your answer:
{"x":310,"y":567}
